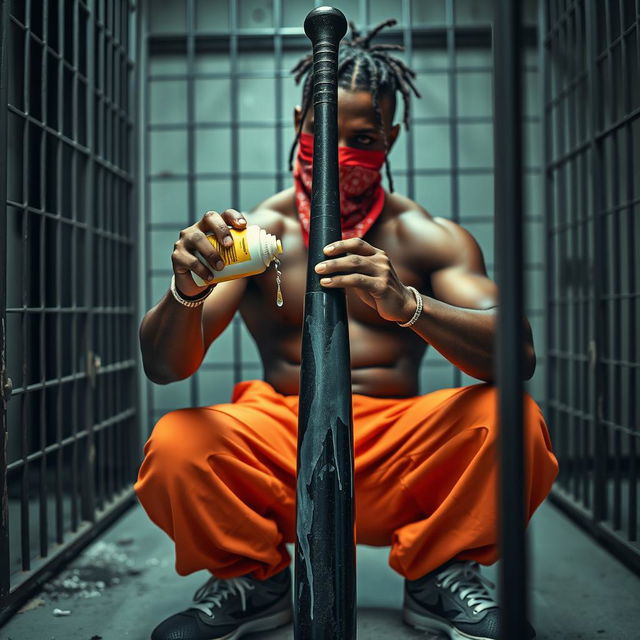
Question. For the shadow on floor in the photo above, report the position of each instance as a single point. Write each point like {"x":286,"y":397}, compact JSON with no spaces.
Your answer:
{"x":124,"y":584}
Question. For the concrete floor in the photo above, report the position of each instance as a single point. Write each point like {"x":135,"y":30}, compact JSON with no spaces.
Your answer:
{"x":124,"y":584}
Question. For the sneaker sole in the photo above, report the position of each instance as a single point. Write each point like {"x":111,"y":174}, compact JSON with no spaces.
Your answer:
{"x":267,"y":623}
{"x":425,"y":622}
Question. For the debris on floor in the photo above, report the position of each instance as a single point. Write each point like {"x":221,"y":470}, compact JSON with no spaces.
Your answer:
{"x":34,"y":603}
{"x":102,"y":565}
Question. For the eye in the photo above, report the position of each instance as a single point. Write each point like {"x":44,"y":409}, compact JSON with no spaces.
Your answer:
{"x":364,"y":140}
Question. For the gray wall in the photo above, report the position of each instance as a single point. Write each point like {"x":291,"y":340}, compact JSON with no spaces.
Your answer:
{"x":445,"y":163}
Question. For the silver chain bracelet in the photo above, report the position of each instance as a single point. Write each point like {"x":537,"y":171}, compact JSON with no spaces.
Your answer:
{"x":419,"y":304}
{"x":187,"y":303}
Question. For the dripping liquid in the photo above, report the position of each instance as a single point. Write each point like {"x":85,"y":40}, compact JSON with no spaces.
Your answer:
{"x":279,"y":299}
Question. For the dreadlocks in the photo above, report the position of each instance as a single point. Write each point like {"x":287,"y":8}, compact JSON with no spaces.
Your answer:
{"x":362,"y":65}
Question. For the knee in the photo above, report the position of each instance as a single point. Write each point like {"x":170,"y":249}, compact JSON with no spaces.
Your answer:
{"x":184,"y":437}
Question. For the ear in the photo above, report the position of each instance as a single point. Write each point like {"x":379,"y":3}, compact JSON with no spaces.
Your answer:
{"x":393,"y":134}
{"x":297,"y":114}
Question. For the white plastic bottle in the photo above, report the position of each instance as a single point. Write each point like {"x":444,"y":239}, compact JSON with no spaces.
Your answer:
{"x":252,"y":251}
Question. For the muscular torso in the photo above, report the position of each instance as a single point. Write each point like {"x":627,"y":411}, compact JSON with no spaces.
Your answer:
{"x":385,"y":358}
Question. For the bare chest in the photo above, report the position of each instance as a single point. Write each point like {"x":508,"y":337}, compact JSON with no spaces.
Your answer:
{"x":261,"y":295}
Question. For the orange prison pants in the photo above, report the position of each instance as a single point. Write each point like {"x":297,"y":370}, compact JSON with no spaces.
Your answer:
{"x":220,"y":480}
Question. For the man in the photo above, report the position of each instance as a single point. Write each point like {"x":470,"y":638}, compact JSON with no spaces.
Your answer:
{"x":220,"y":480}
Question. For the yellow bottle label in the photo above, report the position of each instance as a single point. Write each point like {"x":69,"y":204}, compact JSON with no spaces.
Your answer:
{"x":237,"y":252}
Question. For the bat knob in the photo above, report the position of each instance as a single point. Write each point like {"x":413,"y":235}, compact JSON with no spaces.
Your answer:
{"x":325,"y":23}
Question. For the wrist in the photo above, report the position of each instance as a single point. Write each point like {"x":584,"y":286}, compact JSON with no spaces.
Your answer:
{"x":409,"y":306}
{"x":412,"y":307}
{"x":201,"y":294}
{"x":187,"y":288}
{"x":189,"y":301}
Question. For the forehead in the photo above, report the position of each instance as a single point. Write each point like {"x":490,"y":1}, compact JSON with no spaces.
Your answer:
{"x":357,"y":106}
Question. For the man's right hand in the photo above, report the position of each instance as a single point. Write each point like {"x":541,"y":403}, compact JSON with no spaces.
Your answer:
{"x":194,"y":238}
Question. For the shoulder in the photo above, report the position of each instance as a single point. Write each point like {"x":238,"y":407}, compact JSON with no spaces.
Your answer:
{"x":433,"y":242}
{"x":274,"y":213}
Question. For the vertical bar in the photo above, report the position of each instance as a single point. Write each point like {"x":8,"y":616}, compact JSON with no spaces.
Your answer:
{"x":508,"y":193}
{"x":545,"y":61}
{"x":87,"y":472}
{"x":5,"y":559}
{"x":190,"y":20}
{"x":235,"y":168}
{"x":27,"y":398}
{"x":407,"y":42}
{"x":59,"y":317}
{"x":453,"y":128}
{"x":277,"y":49}
{"x":145,"y":70}
{"x":325,"y":517}
{"x":598,"y":337}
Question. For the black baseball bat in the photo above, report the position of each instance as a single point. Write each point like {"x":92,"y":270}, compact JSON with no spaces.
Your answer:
{"x":325,"y":587}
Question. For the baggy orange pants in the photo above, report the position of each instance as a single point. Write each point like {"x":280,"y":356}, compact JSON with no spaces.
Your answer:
{"x":220,"y":480}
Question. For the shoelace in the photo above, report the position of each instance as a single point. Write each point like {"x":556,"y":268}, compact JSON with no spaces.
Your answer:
{"x":472,"y":585}
{"x":215,"y":590}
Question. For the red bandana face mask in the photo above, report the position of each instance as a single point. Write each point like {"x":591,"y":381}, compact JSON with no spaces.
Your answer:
{"x":361,"y":194}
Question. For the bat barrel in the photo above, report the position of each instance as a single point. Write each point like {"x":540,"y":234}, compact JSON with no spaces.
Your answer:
{"x":325,"y":592}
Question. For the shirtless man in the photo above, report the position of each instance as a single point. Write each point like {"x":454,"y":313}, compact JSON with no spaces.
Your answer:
{"x":221,"y":480}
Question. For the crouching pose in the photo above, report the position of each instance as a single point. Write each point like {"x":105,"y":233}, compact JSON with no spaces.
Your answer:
{"x":220,"y":480}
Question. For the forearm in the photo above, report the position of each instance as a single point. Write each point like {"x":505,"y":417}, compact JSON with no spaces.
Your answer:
{"x":171,"y":340}
{"x":466,"y":337}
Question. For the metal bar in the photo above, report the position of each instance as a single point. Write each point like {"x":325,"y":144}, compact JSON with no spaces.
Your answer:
{"x":407,"y":42}
{"x":235,"y":168}
{"x":56,"y":173}
{"x":191,"y":150}
{"x":453,"y":129}
{"x":94,"y":119}
{"x":545,"y":79}
{"x":5,"y":559}
{"x":26,"y":325}
{"x":325,"y":516}
{"x":510,"y":335}
{"x":278,"y":9}
{"x":597,"y":338}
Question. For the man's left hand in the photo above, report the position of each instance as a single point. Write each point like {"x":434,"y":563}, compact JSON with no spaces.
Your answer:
{"x":369,"y":272}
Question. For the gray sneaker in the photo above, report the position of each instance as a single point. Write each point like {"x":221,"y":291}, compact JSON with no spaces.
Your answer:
{"x":455,"y":600}
{"x":231,"y":608}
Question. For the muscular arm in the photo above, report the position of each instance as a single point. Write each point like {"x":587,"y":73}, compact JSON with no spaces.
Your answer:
{"x":174,"y":339}
{"x":459,"y":320}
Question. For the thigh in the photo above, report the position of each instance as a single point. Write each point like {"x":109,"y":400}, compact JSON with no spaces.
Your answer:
{"x":390,"y":440}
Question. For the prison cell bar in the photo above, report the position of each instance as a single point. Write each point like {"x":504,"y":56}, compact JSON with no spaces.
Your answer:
{"x":47,"y":33}
{"x":5,"y":386}
{"x":508,"y":231}
{"x":325,"y":541}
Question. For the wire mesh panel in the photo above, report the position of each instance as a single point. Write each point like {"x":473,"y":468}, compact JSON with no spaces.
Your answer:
{"x":70,"y":251}
{"x":592,"y":158}
{"x":219,"y":124}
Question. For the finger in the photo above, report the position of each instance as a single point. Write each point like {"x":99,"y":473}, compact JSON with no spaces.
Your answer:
{"x":213,"y":221}
{"x":354,"y":280}
{"x":352,"y":263}
{"x":183,"y":262}
{"x":194,"y":240}
{"x":235,"y":218}
{"x":352,"y":245}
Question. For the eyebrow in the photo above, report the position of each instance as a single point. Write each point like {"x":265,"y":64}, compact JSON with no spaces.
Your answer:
{"x":366,"y":130}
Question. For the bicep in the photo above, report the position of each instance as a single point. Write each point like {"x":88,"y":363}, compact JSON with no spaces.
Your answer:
{"x":462,"y":280}
{"x":220,"y":307}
